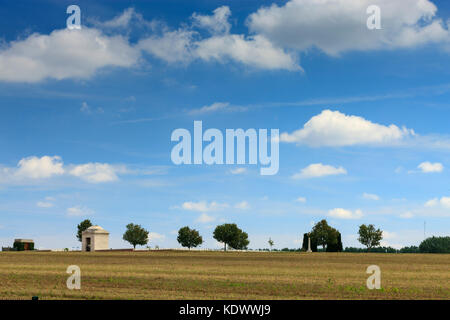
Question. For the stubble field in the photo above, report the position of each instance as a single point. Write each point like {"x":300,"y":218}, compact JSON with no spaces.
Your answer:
{"x":219,"y":275}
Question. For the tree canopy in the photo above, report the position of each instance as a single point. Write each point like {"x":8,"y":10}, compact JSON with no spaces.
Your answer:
{"x":136,"y":235}
{"x":324,"y":235}
{"x":435,"y":245}
{"x":369,"y":236}
{"x":229,"y":234}
{"x":83,"y":226}
{"x":189,"y":238}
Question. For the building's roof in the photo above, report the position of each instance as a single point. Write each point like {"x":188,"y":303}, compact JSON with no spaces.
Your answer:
{"x":96,"y":229}
{"x":23,"y":240}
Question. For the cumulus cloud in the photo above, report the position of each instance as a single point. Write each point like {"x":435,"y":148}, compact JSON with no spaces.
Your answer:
{"x":185,"y":45}
{"x":337,"y":26}
{"x":277,"y":36}
{"x":333,"y":128}
{"x":317,"y":170}
{"x":370,"y":196}
{"x":38,"y":168}
{"x":46,"y":167}
{"x":255,"y":51}
{"x":345,"y":214}
{"x":203,"y":206}
{"x":97,"y":172}
{"x":428,"y":167}
{"x":64,"y":54}
{"x":301,"y":199}
{"x":443,"y":202}
{"x":171,"y":46}
{"x":216,"y":23}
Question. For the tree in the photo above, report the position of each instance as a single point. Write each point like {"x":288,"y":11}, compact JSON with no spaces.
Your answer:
{"x":232,"y":236}
{"x":271,"y":243}
{"x":435,"y":245}
{"x":189,"y":238}
{"x":241,"y":242}
{"x":336,"y":246}
{"x":136,"y":235}
{"x":323,"y":235}
{"x":82,"y":227}
{"x":369,"y":236}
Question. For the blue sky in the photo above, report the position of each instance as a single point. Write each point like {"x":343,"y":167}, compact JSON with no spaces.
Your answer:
{"x":87,"y":115}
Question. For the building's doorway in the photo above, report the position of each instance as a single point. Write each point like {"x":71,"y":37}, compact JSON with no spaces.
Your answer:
{"x":88,"y":244}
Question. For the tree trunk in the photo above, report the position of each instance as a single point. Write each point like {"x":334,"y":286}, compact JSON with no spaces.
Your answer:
{"x":224,"y":246}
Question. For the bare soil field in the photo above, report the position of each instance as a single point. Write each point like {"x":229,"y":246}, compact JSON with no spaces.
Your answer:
{"x":219,"y":275}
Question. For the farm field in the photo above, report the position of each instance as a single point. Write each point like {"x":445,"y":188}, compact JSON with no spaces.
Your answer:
{"x":219,"y":275}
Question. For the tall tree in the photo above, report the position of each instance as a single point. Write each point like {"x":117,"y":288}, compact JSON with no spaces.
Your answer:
{"x":322,"y":234}
{"x":369,"y":236}
{"x":229,"y":234}
{"x":136,"y":235}
{"x":81,"y":227}
{"x":189,"y":238}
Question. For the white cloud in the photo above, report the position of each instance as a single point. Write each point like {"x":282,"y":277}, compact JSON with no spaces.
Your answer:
{"x":171,"y":46}
{"x":122,"y":20}
{"x":203,"y":206}
{"x":38,"y":168}
{"x":64,"y":54}
{"x":255,"y":51}
{"x":345,"y":214}
{"x":444,"y":202}
{"x":204,"y":218}
{"x":238,"y":171}
{"x":34,"y":169}
{"x":97,"y":172}
{"x":317,"y":170}
{"x":78,"y":211}
{"x":301,"y":199}
{"x":333,"y":128}
{"x":370,"y":196}
{"x":43,"y":204}
{"x":217,"y":23}
{"x":432,"y":203}
{"x":428,"y":167}
{"x":185,"y":45}
{"x":337,"y":26}
{"x":242,"y":205}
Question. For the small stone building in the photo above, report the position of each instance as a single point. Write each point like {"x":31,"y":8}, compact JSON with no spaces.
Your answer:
{"x":94,"y":238}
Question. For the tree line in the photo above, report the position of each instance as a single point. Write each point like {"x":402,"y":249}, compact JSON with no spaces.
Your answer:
{"x":322,"y":234}
{"x":229,"y":234}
